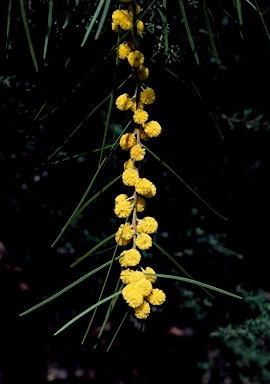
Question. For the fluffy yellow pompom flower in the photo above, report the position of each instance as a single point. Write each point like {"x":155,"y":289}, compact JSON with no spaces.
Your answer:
{"x":152,"y":128}
{"x":124,"y":234}
{"x":127,"y":141}
{"x":152,"y":192}
{"x":114,"y":27}
{"x":130,"y":177}
{"x":136,"y":276}
{"x":130,"y":258}
{"x":143,"y":311}
{"x":135,"y":58}
{"x":132,"y":296}
{"x":140,"y":27}
{"x":123,"y":209}
{"x":145,"y":187}
{"x":126,"y":22}
{"x":143,"y":73}
{"x":141,"y":203}
{"x":148,"y":96}
{"x":125,"y":275}
{"x":147,"y":225}
{"x":129,"y":164}
{"x":137,"y":153}
{"x":124,"y":102}
{"x":156,"y":297}
{"x":152,"y":279}
{"x":117,"y":16}
{"x":120,"y":198}
{"x":123,"y":51}
{"x":143,"y":241}
{"x":140,"y":116}
{"x":144,"y":286}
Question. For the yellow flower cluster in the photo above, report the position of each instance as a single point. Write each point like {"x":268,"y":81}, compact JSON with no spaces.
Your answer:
{"x":138,"y":291}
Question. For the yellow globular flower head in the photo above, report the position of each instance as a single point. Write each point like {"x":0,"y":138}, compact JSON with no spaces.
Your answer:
{"x":152,"y":192}
{"x":123,"y":102}
{"x":114,"y":26}
{"x":127,"y":141}
{"x":140,"y":27}
{"x":137,"y":153}
{"x":130,"y":177}
{"x":143,"y":73}
{"x":126,"y":22}
{"x":134,"y":106}
{"x":120,"y":198}
{"x":129,"y":164}
{"x":143,"y":311}
{"x":147,"y":96}
{"x":123,"y":209}
{"x":145,"y":187}
{"x":143,"y":241}
{"x":152,"y":128}
{"x":123,"y":51}
{"x":125,"y":275}
{"x":124,"y":234}
{"x":132,"y":296}
{"x":141,"y":203}
{"x":152,"y":279}
{"x":140,"y":116}
{"x":117,"y":15}
{"x":136,"y":276}
{"x":147,"y":225}
{"x":135,"y":58}
{"x":156,"y":297}
{"x":130,"y":258}
{"x":144,"y":286}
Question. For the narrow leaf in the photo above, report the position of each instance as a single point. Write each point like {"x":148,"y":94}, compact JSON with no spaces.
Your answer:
{"x":94,"y":18}
{"x":118,"y":329}
{"x":28,"y":36}
{"x":178,"y":265}
{"x":92,"y":250}
{"x":196,"y":283}
{"x":103,"y":17}
{"x":87,"y":311}
{"x":49,"y":27}
{"x":8,"y":24}
{"x":239,"y":11}
{"x":191,"y":42}
{"x":186,"y":185}
{"x":262,"y":20}
{"x":46,"y":301}
{"x":209,"y":30}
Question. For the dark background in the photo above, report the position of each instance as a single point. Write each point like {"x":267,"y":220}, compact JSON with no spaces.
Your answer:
{"x":231,"y":174}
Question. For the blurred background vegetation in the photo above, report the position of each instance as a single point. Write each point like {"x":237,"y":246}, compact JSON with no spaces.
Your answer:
{"x":218,"y":90}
